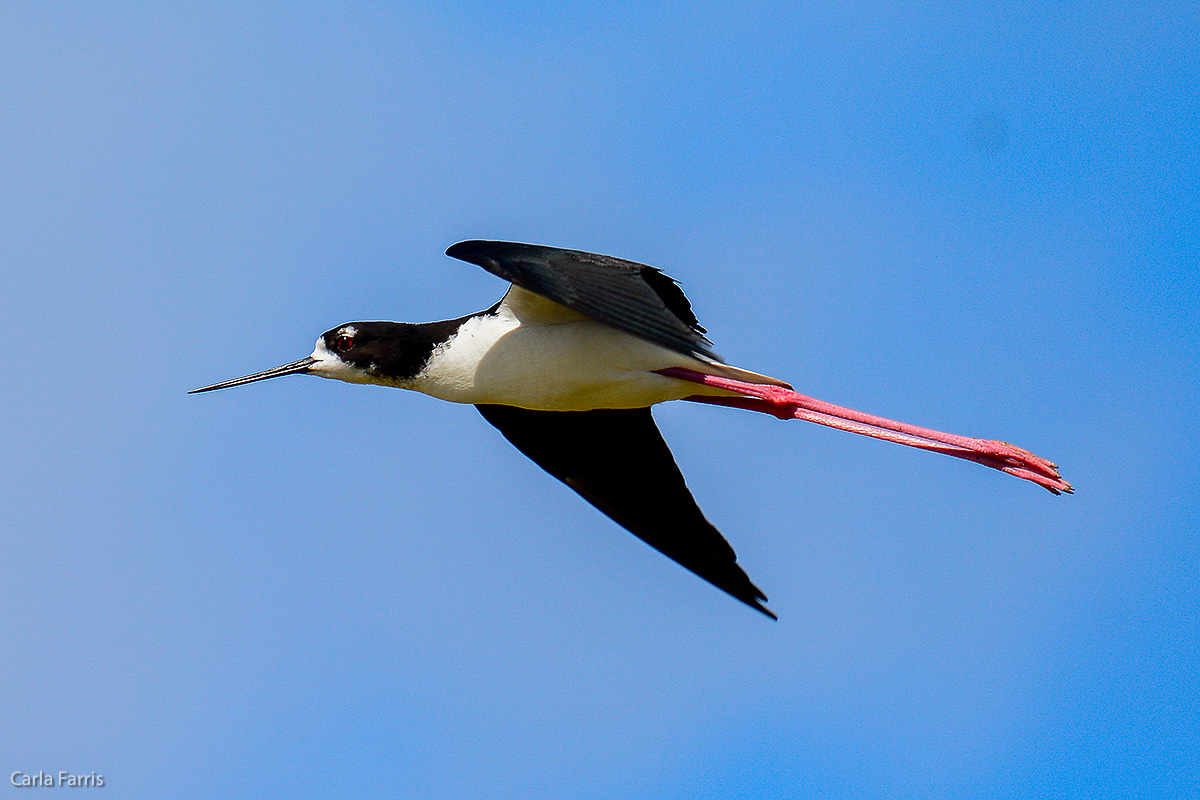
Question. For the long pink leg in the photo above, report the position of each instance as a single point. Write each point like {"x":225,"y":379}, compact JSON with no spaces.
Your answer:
{"x":785,"y":403}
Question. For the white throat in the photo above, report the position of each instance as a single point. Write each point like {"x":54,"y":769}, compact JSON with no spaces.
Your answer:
{"x":330,"y":365}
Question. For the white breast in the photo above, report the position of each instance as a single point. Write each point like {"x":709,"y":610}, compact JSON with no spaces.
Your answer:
{"x":537,"y":354}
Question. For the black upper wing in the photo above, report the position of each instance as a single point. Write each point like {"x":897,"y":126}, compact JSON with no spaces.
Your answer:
{"x":632,"y":297}
{"x":617,"y":460}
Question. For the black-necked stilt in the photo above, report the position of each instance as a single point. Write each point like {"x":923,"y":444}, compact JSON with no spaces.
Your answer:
{"x":567,"y":365}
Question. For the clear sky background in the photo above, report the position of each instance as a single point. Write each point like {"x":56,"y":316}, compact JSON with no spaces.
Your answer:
{"x":975,"y":218}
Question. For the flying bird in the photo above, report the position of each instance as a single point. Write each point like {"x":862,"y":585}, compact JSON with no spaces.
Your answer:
{"x":567,"y":365}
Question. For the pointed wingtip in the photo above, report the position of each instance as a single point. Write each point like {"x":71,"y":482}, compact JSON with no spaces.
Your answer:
{"x":755,"y":600}
{"x":469,"y":250}
{"x":767,"y":611}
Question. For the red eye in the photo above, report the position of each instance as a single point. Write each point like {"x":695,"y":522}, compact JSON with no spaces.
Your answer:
{"x":343,"y":343}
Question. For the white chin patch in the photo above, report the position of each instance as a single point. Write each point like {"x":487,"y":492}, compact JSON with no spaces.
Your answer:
{"x":331,"y":365}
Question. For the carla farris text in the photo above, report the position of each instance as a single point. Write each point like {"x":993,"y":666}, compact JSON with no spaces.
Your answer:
{"x":61,"y":779}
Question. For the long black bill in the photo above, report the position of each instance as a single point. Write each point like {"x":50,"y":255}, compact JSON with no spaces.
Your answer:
{"x":287,"y":369}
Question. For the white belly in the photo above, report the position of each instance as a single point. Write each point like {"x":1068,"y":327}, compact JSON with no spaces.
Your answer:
{"x":573,"y":365}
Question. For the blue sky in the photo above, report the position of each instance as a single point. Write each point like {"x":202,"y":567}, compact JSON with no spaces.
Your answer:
{"x":974,"y":218}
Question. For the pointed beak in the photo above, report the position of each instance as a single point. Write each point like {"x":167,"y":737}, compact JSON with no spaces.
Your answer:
{"x":287,"y":369}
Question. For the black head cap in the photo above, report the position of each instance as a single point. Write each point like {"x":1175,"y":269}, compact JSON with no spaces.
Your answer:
{"x":387,"y":350}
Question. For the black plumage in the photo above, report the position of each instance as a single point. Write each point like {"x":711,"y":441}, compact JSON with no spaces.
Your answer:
{"x":616,"y":459}
{"x":624,"y":294}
